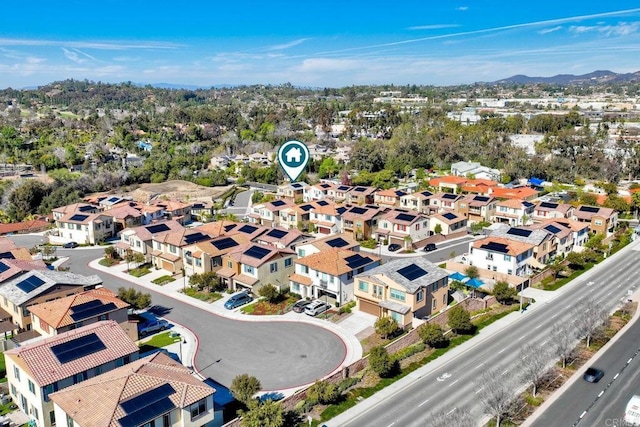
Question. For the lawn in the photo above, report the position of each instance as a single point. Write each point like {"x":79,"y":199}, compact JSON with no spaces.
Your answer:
{"x":264,"y":307}
{"x":108,"y":262}
{"x":202,"y":296}
{"x":163,"y":280}
{"x":158,"y":341}
{"x":3,"y":369}
{"x":140,"y":271}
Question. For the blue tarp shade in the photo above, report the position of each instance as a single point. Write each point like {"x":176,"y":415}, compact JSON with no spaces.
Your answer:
{"x":474,"y":283}
{"x":457,"y":276}
{"x":536,"y":181}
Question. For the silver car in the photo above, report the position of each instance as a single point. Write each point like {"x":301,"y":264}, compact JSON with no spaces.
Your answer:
{"x":316,"y":307}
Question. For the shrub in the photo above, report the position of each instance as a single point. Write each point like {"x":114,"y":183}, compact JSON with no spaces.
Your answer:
{"x":460,"y":320}
{"x":432,"y":335}
{"x":408,"y":351}
{"x":347,"y":383}
{"x":380,"y":362}
{"x":503,"y":292}
{"x":323,"y":392}
{"x":386,"y":327}
{"x":269,"y":292}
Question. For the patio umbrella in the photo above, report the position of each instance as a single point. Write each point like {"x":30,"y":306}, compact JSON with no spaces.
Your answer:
{"x":474,"y":283}
{"x":457,"y":276}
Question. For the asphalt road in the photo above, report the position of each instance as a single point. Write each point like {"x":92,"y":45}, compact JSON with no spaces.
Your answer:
{"x":280,"y":354}
{"x":453,"y":382}
{"x":580,"y":404}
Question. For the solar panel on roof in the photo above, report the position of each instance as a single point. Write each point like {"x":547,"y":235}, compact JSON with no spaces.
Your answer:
{"x":481,"y":198}
{"x":527,"y":204}
{"x":358,"y":211}
{"x":325,"y":185}
{"x":3,"y":267}
{"x":97,"y":308}
{"x":247,"y":229}
{"x":278,"y":203}
{"x":412,"y":272}
{"x":405,"y":217}
{"x":29,"y":284}
{"x":357,"y":260}
{"x":450,"y":216}
{"x":591,"y":209}
{"x":114,"y":199}
{"x":360,"y":189}
{"x":552,"y":228}
{"x":77,"y":348}
{"x":400,"y":193}
{"x":519,"y":232}
{"x":306,"y":208}
{"x":230,"y":227}
{"x":85,"y":208}
{"x":195,"y":237}
{"x":548,"y":205}
{"x":338,"y":242}
{"x":225,"y":243}
{"x":78,"y":217}
{"x":322,"y":203}
{"x":278,"y":234}
{"x":296,"y":185}
{"x":371,"y":206}
{"x":147,"y":406}
{"x":427,"y":193}
{"x":7,"y":255}
{"x":257,"y":252}
{"x":449,"y":196}
{"x":341,"y":210}
{"x":158,"y":228}
{"x":343,"y":188}
{"x":495,"y":247}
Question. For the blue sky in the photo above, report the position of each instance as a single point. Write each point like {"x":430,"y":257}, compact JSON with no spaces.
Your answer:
{"x":320,"y":44}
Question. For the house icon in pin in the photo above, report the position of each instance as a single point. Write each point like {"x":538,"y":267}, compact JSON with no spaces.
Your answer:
{"x":293,"y":155}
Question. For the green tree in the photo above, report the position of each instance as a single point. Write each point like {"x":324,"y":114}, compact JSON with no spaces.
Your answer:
{"x":575,"y":260}
{"x":386,"y":327}
{"x":433,"y":335}
{"x":635,"y":201}
{"x":265,"y":414}
{"x":437,"y":229}
{"x":380,"y":362}
{"x":269,"y":292}
{"x":323,"y":392}
{"x":328,"y":168}
{"x":617,"y":203}
{"x":137,"y":299}
{"x":26,"y":199}
{"x":459,"y":320}
{"x":503,"y":292}
{"x":110,"y":252}
{"x":243,"y":387}
{"x":471,"y":272}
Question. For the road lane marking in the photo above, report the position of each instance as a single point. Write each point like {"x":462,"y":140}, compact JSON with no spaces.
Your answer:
{"x":609,"y":294}
{"x":569,"y":306}
{"x":479,"y":390}
{"x":521,"y":338}
{"x":525,"y":357}
{"x":583,"y":414}
{"x":479,"y":365}
{"x":616,"y":375}
{"x":554,"y":316}
{"x":423,"y":403}
{"x":506,"y":370}
{"x":502,"y":351}
{"x":391,"y":424}
{"x":543,"y":343}
{"x":629,"y":361}
{"x":454,"y":382}
{"x":451,"y":411}
{"x":601,"y":393}
{"x":539,"y":326}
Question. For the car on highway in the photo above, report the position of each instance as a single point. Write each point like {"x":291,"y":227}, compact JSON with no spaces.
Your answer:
{"x":300,"y":305}
{"x":316,"y":307}
{"x":70,"y":245}
{"x":430,"y":247}
{"x":394,"y":247}
{"x":238,"y":300}
{"x":152,"y":326}
{"x":593,"y":375}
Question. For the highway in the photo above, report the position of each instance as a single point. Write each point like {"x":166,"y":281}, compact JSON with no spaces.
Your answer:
{"x":452,"y":383}
{"x":604,"y":403}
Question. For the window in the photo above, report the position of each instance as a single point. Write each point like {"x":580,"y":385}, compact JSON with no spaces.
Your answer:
{"x":198,"y":262}
{"x":397,"y":295}
{"x":32,"y":387}
{"x":273,"y":267}
{"x":363,"y":286}
{"x":229,"y":264}
{"x":173,"y":249}
{"x":349,"y":275}
{"x":445,"y":298}
{"x":198,"y":408}
{"x":377,"y":290}
{"x":305,"y":269}
{"x":434,"y":304}
{"x":34,"y":412}
{"x":509,"y":271}
{"x":16,"y":373}
{"x":419,"y":295}
{"x":69,"y":421}
{"x":47,"y":390}
{"x":295,"y":287}
{"x":507,"y":257}
{"x":119,"y":362}
{"x":396,"y":316}
{"x":598,"y":222}
{"x":97,"y":371}
{"x":417,"y":227}
{"x":80,"y":377}
{"x":166,"y":420}
{"x":52,"y":418}
{"x":247,"y":269}
{"x":14,"y":392}
{"x":288,"y":262}
{"x":300,"y":252}
{"x":402,"y":228}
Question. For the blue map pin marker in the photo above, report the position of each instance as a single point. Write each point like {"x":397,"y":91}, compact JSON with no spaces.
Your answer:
{"x":293,"y":157}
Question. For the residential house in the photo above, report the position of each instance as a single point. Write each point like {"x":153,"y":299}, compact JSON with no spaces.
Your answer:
{"x":544,"y":211}
{"x":38,"y":369}
{"x":252,"y":265}
{"x":481,"y":187}
{"x":206,"y":256}
{"x":283,"y":239}
{"x":361,"y":221}
{"x":447,"y":223}
{"x":82,"y":208}
{"x":140,"y":239}
{"x":175,"y":210}
{"x":477,"y":208}
{"x":444,"y":202}
{"x":544,"y":242}
{"x":600,"y":220}
{"x":329,"y":274}
{"x":519,"y":193}
{"x":296,"y":216}
{"x":448,"y":184}
{"x":339,"y":193}
{"x":64,"y":314}
{"x":126,"y":216}
{"x":566,"y":237}
{"x":403,"y":227}
{"x":167,"y":250}
{"x":501,"y":255}
{"x":514,"y":212}
{"x":326,"y":217}
{"x":361,"y":195}
{"x":474,"y":169}
{"x":268,"y":214}
{"x":10,"y":251}
{"x":293,"y":191}
{"x":318,"y":191}
{"x":38,"y":286}
{"x":152,"y":391}
{"x":86,"y":228}
{"x":338,"y":241}
{"x":109,"y":202}
{"x":419,"y":201}
{"x":390,"y":198}
{"x":403,"y":289}
{"x":202,"y":211}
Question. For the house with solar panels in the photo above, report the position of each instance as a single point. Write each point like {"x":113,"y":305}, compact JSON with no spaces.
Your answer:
{"x":544,"y":241}
{"x":126,"y":216}
{"x":32,"y":287}
{"x":418,"y":201}
{"x":390,"y":198}
{"x":85,"y":228}
{"x":283,"y":239}
{"x":477,"y":208}
{"x":600,"y":220}
{"x":361,"y":195}
{"x":318,"y":191}
{"x":450,"y":222}
{"x":514,"y":212}
{"x":502,"y":256}
{"x":403,"y":289}
{"x":83,"y":208}
{"x":206,"y":256}
{"x":338,"y":241}
{"x":545,"y":211}
{"x":361,"y":221}
{"x":153,"y":391}
{"x":268,"y":214}
{"x":403,"y":227}
{"x":442,"y":202}
{"x":328,"y":275}
{"x":42,"y":367}
{"x":140,"y":239}
{"x":296,"y":216}
{"x":253,"y":265}
{"x":569,"y":235}
{"x":52,"y":318}
{"x":168,"y":247}
{"x":326,"y":217}
{"x":293,"y":191}
{"x":339,"y":193}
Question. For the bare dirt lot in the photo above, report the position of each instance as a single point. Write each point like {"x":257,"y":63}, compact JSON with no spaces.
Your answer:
{"x":176,"y":190}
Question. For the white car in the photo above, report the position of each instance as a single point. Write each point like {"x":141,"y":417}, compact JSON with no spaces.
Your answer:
{"x":316,"y":307}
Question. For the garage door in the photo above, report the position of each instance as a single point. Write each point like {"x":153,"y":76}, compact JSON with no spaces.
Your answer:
{"x":167,"y":266}
{"x":324,"y":230}
{"x":369,"y":307}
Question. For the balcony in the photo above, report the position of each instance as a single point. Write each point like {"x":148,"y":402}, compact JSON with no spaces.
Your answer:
{"x":377,"y":296}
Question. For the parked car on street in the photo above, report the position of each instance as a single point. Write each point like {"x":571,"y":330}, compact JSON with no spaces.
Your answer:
{"x":593,"y":375}
{"x":430,"y":247}
{"x":316,"y":307}
{"x":300,"y":305}
{"x":152,"y":326}
{"x":238,"y":300}
{"x":394,"y":247}
{"x":70,"y":245}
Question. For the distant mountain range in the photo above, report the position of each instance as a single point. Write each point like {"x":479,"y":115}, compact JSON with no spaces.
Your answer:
{"x":600,"y":76}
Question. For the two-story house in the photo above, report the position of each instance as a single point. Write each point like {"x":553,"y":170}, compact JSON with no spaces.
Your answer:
{"x":390,"y":198}
{"x":140,"y":239}
{"x":446,"y":223}
{"x":268,"y":214}
{"x":477,"y":208}
{"x":206,"y":256}
{"x":544,"y":242}
{"x":37,"y":286}
{"x":75,"y":311}
{"x":126,"y":216}
{"x":82,"y":208}
{"x":562,"y":233}
{"x":86,"y":228}
{"x":419,"y":201}
{"x":361,"y":221}
{"x":202,"y":210}
{"x":339,"y":193}
{"x":403,"y":289}
{"x":155,"y":391}
{"x":326,"y":217}
{"x":361,"y":195}
{"x":175,"y":210}
{"x":448,"y":184}
{"x":283,"y":239}
{"x":167,"y":247}
{"x":514,"y":212}
{"x":296,"y":216}
{"x":403,"y":227}
{"x":501,"y":255}
{"x":518,"y":193}
{"x":318,"y":191}
{"x":329,"y":274}
{"x":444,"y":202}
{"x":252,"y":265}
{"x":293,"y":191}
{"x":39,"y":368}
{"x":338,"y":241}
{"x":545,"y":211}
{"x":600,"y":220}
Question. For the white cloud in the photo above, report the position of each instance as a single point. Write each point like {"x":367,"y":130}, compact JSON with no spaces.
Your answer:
{"x":110,"y":45}
{"x":621,"y":29}
{"x":550,"y":30}
{"x":462,"y":8}
{"x":433,"y":27}
{"x":73,"y":56}
{"x":287,"y":45}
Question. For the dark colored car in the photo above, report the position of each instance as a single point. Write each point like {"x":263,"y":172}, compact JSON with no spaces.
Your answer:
{"x":237,"y":300}
{"x":430,"y":247}
{"x":593,"y":375}
{"x":299,"y":306}
{"x":70,"y":245}
{"x":394,"y":247}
